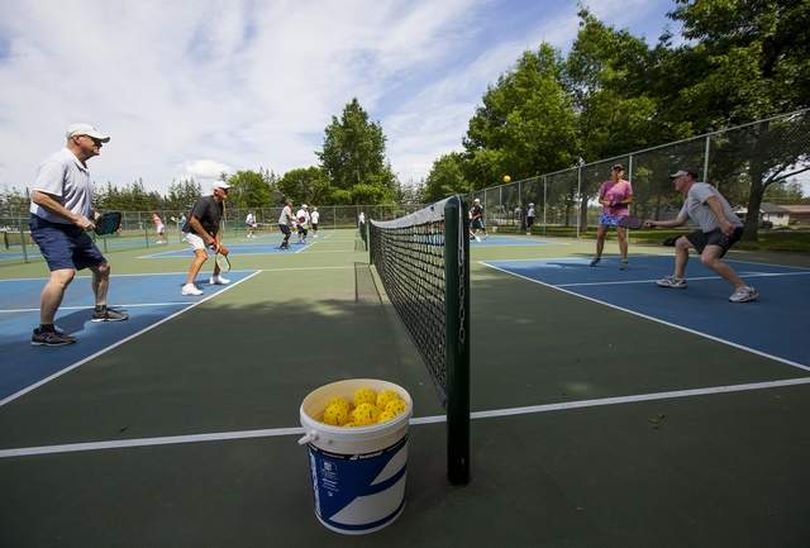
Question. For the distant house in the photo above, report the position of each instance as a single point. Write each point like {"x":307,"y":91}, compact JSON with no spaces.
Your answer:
{"x":770,"y":215}
{"x":799,"y":214}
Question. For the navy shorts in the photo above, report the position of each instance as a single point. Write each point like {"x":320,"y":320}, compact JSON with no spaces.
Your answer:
{"x":701,"y":239}
{"x":64,"y":246}
{"x":284,"y":229}
{"x":478,"y":224}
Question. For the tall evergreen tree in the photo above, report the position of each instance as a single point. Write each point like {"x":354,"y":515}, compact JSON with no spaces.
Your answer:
{"x":354,"y":154}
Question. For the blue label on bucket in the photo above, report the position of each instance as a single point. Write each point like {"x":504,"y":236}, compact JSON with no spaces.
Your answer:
{"x":357,"y":493}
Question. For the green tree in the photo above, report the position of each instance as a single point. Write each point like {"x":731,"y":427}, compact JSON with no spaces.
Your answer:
{"x":606,"y":72}
{"x":249,"y":189}
{"x":746,"y":61}
{"x":526,"y":125}
{"x":308,"y":185}
{"x":182,"y":195}
{"x":354,"y":153}
{"x":14,"y":203}
{"x":789,"y":193}
{"x":446,"y":177}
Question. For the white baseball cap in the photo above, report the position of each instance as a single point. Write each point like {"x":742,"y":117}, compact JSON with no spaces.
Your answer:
{"x":74,"y":130}
{"x":221,"y":184}
{"x":304,"y":206}
{"x":682,"y":172}
{"x":477,"y":200}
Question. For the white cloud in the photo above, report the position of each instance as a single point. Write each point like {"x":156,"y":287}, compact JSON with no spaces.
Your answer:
{"x":244,"y":84}
{"x":206,"y":169}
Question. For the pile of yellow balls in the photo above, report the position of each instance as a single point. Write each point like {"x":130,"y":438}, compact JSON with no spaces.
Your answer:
{"x":366,"y":408}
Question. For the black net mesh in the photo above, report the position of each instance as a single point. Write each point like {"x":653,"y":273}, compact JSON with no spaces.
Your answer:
{"x":409,"y":255}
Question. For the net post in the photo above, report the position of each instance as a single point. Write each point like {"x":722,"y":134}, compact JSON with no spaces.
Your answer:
{"x":457,"y":301}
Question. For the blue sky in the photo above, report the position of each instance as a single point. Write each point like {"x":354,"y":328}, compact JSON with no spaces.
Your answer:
{"x":193,"y":88}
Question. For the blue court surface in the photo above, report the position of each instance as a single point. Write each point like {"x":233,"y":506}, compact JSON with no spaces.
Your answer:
{"x":774,"y":326}
{"x":149,"y":299}
{"x":515,"y":241}
{"x":236,"y":250}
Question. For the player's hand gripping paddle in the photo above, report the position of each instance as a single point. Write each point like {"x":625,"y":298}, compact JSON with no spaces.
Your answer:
{"x":108,"y":223}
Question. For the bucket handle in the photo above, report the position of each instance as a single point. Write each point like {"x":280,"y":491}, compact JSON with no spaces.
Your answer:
{"x":309,"y":437}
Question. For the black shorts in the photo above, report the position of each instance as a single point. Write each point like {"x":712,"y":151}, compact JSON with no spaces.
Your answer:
{"x":701,"y":239}
{"x":529,"y":222}
{"x":477,"y":224}
{"x":284,"y":229}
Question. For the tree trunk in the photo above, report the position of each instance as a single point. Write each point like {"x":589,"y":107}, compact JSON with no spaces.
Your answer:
{"x":757,"y":170}
{"x":750,"y":231}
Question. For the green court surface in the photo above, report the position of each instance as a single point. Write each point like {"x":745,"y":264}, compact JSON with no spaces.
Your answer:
{"x":591,"y":427}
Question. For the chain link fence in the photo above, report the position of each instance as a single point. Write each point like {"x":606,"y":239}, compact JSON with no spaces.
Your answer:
{"x":760,"y":153}
{"x":138,"y":231}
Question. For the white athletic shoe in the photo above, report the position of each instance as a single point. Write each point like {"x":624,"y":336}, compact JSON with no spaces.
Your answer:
{"x":744,"y":294}
{"x":190,"y":289}
{"x":218,"y":280}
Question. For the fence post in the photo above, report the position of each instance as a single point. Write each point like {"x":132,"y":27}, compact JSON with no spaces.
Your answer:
{"x":545,"y":203}
{"x":706,"y":162}
{"x":579,"y":198}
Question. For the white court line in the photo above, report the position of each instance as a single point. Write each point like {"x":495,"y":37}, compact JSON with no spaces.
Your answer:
{"x":90,"y":306}
{"x":304,"y":268}
{"x":116,"y":344}
{"x":695,"y":279}
{"x":278,"y":432}
{"x":651,"y":318}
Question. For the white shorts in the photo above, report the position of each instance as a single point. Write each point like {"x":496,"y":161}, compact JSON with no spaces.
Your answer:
{"x":160,"y":229}
{"x":195,"y":241}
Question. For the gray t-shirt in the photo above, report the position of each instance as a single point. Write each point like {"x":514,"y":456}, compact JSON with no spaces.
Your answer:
{"x":698,"y":210}
{"x":64,"y":177}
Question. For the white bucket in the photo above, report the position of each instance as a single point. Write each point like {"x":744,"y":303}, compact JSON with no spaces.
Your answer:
{"x":358,"y":474}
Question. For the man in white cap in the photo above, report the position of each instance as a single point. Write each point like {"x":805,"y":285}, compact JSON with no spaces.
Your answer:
{"x":61,"y":212}
{"x":302,"y":216}
{"x":719,"y":229}
{"x":477,"y":220}
{"x":202,"y":232}
{"x":530,"y":215}
{"x":314,"y":220}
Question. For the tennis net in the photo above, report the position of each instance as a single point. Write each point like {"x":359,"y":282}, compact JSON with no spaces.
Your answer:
{"x":422,"y":260}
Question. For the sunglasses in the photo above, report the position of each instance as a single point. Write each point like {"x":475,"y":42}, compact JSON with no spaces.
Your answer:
{"x":97,"y":142}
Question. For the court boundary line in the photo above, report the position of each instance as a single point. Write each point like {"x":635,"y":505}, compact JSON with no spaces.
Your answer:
{"x":75,"y":365}
{"x":651,"y":318}
{"x":586,"y":259}
{"x":693,"y":279}
{"x":431,"y":419}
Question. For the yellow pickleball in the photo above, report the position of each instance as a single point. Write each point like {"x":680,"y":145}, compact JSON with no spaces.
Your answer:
{"x":396,"y":406}
{"x":384,"y":397}
{"x":341,"y":402}
{"x":365,"y":414}
{"x":336,"y":415}
{"x":364,"y":395}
